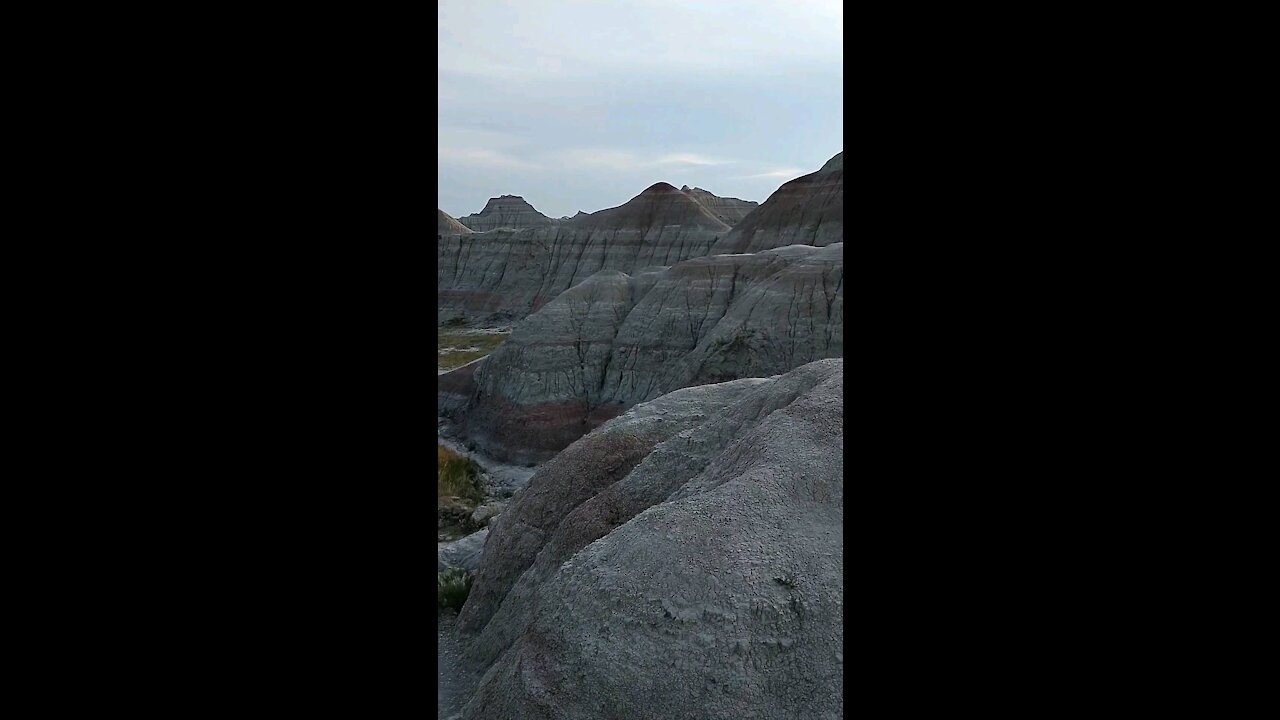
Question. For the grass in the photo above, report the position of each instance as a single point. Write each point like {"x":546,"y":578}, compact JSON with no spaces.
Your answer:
{"x":452,"y":587}
{"x":455,"y":348}
{"x":456,"y":476}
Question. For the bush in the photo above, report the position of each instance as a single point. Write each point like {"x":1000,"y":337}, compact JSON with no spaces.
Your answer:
{"x":452,"y":587}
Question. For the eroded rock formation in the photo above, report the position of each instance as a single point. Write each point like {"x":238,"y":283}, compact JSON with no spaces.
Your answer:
{"x":506,"y":274}
{"x":684,"y":560}
{"x":806,"y":211}
{"x":507,"y":211}
{"x":618,"y":339}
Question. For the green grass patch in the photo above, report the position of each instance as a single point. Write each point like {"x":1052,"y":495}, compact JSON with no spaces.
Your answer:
{"x":455,"y":348}
{"x":452,"y":587}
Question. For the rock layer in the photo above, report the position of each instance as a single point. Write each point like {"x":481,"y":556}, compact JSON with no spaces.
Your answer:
{"x":617,"y":339}
{"x":682,"y":561}
{"x":504,"y":275}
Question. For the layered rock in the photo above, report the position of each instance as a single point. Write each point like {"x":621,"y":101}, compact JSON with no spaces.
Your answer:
{"x":446,"y":225}
{"x":806,"y":211}
{"x":507,"y":211}
{"x":507,"y":274}
{"x":684,"y":560}
{"x":618,"y":339}
{"x":730,"y":210}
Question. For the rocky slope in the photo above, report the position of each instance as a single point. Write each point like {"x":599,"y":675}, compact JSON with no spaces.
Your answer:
{"x":729,"y":210}
{"x":506,"y":211}
{"x":504,"y":275}
{"x":618,"y":339}
{"x":446,"y":225}
{"x":806,"y":211}
{"x":682,"y":561}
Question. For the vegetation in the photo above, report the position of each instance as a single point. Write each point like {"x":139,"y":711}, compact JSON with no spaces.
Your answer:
{"x":457,"y":476}
{"x":456,"y":348}
{"x":452,"y":587}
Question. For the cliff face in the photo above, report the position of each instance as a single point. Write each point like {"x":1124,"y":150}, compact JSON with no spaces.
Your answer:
{"x":806,"y":211}
{"x":506,"y":274}
{"x":446,"y":225}
{"x":506,"y":211}
{"x":690,"y":548}
{"x":617,"y":339}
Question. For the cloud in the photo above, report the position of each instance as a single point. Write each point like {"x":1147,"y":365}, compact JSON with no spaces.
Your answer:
{"x":616,"y":159}
{"x":688,"y":159}
{"x":779,"y":174}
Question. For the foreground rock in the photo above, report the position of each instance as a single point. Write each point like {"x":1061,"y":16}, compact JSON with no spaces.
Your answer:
{"x":463,"y":553}
{"x":674,"y":571}
{"x":617,"y":339}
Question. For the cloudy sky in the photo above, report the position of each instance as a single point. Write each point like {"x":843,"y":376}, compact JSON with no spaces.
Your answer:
{"x":581,"y":104}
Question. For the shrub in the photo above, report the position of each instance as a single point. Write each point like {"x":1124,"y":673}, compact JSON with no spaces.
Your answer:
{"x":457,"y":476}
{"x":452,"y":587}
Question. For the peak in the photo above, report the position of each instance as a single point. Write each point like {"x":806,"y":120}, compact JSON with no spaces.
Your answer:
{"x":659,"y":187}
{"x":685,"y":188}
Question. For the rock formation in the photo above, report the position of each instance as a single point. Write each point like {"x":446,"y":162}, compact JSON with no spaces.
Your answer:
{"x":618,"y":339}
{"x":730,"y":210}
{"x":806,"y":211}
{"x":506,"y":274}
{"x":446,"y":225}
{"x":506,"y":211}
{"x":684,"y":560}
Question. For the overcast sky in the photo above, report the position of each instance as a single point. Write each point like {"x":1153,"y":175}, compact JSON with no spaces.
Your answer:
{"x":581,"y":104}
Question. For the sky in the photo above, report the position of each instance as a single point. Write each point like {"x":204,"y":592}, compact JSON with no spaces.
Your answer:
{"x":582,"y":104}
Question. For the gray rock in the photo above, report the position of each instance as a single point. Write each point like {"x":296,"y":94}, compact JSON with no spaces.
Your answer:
{"x":701,"y":580}
{"x":615,"y":340}
{"x":462,"y":553}
{"x":505,"y":274}
{"x":486,"y":512}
